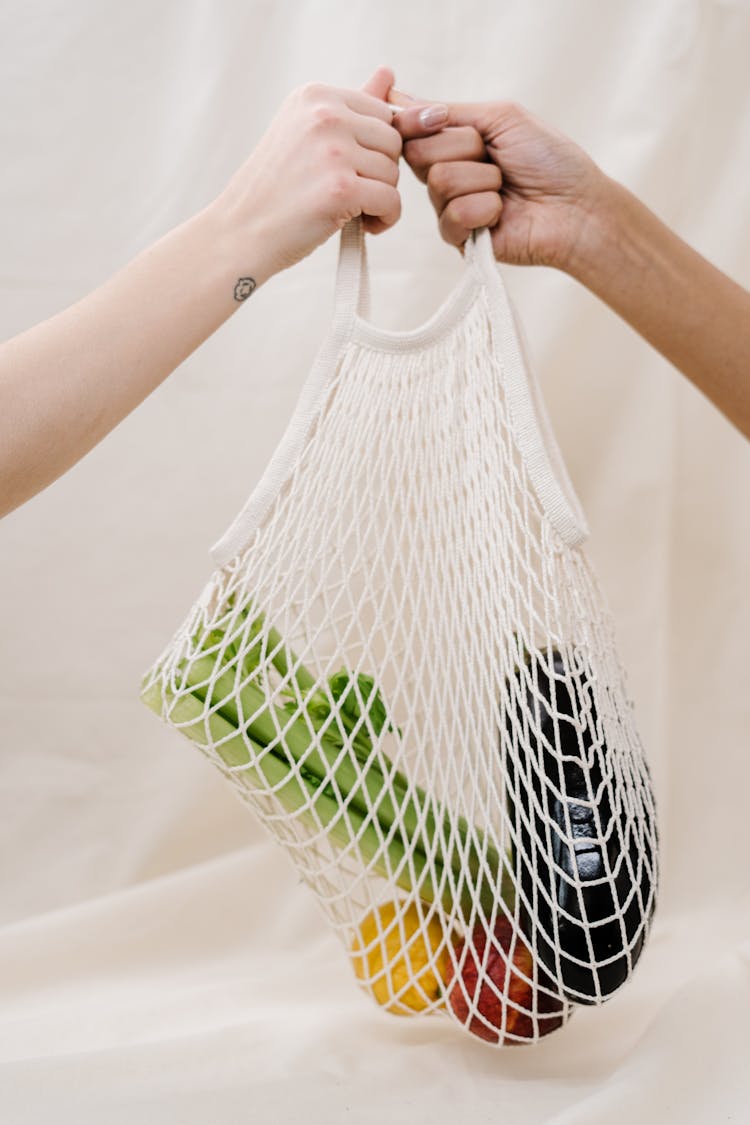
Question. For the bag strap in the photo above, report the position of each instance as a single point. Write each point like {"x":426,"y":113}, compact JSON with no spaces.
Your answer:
{"x":351,"y":298}
{"x":352,"y":292}
{"x":531,"y":425}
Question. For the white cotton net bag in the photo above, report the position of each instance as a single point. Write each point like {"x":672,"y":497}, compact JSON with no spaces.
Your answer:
{"x":403,"y":664}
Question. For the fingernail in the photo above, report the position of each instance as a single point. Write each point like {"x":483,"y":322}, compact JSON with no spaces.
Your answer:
{"x":433,"y":115}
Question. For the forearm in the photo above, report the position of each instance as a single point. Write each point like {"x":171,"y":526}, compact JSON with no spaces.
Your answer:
{"x":327,"y":156}
{"x":67,"y":382}
{"x":691,"y":312}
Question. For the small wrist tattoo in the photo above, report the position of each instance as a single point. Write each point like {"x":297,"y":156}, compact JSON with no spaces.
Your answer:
{"x":244,"y":288}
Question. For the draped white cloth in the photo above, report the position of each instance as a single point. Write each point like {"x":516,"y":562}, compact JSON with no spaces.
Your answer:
{"x":158,"y":958}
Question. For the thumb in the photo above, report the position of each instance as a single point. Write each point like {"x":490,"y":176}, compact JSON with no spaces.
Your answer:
{"x":380,"y":83}
{"x":415,"y":118}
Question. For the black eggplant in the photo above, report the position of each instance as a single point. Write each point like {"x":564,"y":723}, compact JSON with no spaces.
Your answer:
{"x":567,"y":834}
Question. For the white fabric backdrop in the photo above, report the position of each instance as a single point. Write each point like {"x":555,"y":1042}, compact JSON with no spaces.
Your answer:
{"x":158,"y":960}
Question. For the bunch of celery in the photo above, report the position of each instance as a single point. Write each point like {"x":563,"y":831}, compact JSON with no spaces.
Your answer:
{"x":319,"y":754}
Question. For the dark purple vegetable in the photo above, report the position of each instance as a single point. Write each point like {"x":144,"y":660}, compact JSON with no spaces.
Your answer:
{"x":567,"y":833}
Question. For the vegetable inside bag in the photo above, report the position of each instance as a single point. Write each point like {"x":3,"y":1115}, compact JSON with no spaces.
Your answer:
{"x":403,"y":664}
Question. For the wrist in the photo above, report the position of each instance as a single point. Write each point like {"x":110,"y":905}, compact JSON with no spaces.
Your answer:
{"x":242,"y":244}
{"x":607,"y":230}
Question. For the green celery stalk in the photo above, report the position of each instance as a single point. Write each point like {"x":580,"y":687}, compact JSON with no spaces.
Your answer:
{"x":405,"y":814}
{"x":299,"y":792}
{"x":488,"y":875}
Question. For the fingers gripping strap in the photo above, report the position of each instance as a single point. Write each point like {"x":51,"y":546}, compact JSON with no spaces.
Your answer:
{"x":531,"y":424}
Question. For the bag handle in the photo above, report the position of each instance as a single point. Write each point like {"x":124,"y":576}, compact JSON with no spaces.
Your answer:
{"x":351,"y":299}
{"x":352,"y":291}
{"x":531,"y":426}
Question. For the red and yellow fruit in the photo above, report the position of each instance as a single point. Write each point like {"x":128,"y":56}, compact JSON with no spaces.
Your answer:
{"x":498,"y":1000}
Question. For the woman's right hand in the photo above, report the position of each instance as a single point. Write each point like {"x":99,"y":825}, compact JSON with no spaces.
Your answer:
{"x":547,"y":203}
{"x":496,"y":165}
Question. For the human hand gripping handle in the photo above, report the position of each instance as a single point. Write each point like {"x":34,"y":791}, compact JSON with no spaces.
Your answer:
{"x":547,"y":203}
{"x":496,"y":165}
{"x":329,"y":155}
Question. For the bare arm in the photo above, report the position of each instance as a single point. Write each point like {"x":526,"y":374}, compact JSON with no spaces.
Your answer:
{"x":547,"y":203}
{"x":327,"y":156}
{"x":67,"y":382}
{"x":691,"y":312}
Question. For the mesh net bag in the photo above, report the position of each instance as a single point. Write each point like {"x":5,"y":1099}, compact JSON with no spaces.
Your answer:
{"x":403,"y":664}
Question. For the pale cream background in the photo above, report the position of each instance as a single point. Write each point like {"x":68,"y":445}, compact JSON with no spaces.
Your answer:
{"x":158,"y":960}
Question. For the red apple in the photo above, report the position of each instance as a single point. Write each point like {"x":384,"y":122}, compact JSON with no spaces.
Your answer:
{"x":499,"y":1001}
